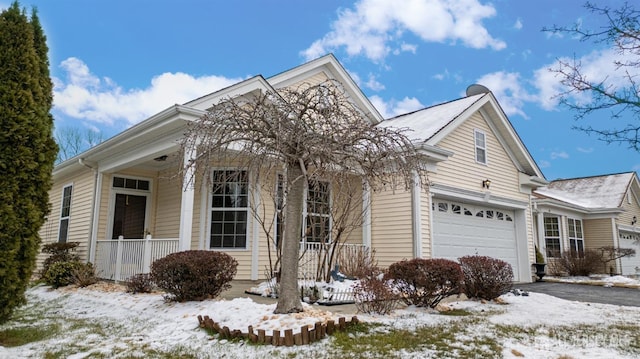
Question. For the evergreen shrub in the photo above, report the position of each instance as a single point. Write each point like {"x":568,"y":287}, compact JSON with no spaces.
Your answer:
{"x":61,"y":274}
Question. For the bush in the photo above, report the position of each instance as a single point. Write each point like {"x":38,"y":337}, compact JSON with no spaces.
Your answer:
{"x":373,"y":294}
{"x":357,"y":262}
{"x":486,"y":277}
{"x":58,"y":252}
{"x":426,"y":282}
{"x":139,"y":283}
{"x":580,"y":264}
{"x":84,"y":275}
{"x":60,"y":274}
{"x":193,"y":275}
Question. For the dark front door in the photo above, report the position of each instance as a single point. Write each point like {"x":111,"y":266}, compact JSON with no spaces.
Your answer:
{"x":129,"y":216}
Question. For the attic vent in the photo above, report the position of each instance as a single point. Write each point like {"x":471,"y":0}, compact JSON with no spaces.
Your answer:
{"x":476,"y":89}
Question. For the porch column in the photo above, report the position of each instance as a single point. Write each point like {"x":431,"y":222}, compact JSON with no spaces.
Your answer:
{"x":542,"y":245}
{"x":95,"y":216}
{"x":186,"y":206}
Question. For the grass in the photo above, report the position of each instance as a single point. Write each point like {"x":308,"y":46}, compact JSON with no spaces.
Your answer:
{"x":15,"y":337}
{"x":457,"y":333}
{"x":455,"y":339}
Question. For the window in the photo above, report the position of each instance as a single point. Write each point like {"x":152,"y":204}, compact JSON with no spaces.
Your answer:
{"x":65,"y":211}
{"x":318,"y":221}
{"x":130,"y":183}
{"x":576,"y":239}
{"x":481,"y":147}
{"x":229,"y":209}
{"x":552,"y":236}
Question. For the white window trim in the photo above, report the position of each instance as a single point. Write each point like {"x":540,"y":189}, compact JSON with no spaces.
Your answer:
{"x":134,"y":192}
{"x":303,"y":238}
{"x":250,"y":219}
{"x":305,"y":212}
{"x":545,"y":237}
{"x":68,"y":217}
{"x":575,"y":232}
{"x":484,"y":148}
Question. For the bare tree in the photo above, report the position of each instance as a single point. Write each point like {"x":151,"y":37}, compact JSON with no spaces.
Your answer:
{"x":309,"y":133}
{"x":588,"y":93}
{"x":73,"y":141}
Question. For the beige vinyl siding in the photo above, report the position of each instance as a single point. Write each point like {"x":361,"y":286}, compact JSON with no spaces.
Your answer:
{"x":266,"y":211}
{"x":462,"y":171}
{"x":597,"y":233}
{"x":168,"y":197}
{"x":630,"y":210}
{"x":425,"y":223}
{"x":79,"y":216}
{"x":391,"y":229}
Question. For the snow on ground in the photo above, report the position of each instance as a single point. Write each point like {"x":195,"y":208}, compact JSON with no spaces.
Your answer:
{"x":146,"y":321}
{"x":603,"y":280}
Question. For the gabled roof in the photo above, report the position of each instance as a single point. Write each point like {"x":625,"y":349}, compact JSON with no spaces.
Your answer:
{"x":596,"y":192}
{"x":430,"y":125}
{"x":158,"y":123}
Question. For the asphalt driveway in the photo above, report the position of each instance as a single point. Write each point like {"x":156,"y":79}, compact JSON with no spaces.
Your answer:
{"x":585,"y":293}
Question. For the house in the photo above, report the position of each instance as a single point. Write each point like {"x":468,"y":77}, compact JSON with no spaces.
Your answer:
{"x":122,"y":202}
{"x":589,"y":213}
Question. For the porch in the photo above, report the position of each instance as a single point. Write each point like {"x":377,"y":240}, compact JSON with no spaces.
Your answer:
{"x":119,"y":259}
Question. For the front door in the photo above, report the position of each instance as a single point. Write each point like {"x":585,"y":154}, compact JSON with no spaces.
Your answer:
{"x":129,"y":216}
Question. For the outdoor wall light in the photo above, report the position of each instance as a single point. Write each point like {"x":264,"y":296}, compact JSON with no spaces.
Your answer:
{"x":486,"y":183}
{"x":634,"y":220}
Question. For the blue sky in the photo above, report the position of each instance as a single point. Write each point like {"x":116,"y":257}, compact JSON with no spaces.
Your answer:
{"x":117,"y":62}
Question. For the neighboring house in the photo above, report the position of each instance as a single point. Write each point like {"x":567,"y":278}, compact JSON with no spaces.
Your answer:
{"x":479,"y":200}
{"x":589,"y":213}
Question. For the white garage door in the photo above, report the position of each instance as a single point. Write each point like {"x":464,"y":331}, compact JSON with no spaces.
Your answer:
{"x":629,"y":264}
{"x":461,"y":229}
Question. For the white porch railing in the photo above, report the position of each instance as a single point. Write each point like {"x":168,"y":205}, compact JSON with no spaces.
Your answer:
{"x":315,"y":257}
{"x":119,"y":259}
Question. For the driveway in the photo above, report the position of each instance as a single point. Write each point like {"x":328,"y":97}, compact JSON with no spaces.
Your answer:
{"x":586,"y":293}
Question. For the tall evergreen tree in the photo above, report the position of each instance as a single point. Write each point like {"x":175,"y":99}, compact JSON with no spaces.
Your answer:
{"x":27,"y":150}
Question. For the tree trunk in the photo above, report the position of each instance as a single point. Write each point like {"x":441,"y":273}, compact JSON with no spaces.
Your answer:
{"x":289,"y":295}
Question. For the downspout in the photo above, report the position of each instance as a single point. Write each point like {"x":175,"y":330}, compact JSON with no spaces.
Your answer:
{"x":91,"y":243}
{"x":416,"y":217}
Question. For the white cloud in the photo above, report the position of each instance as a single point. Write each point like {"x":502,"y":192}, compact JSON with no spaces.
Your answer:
{"x":373,"y":83}
{"x":597,"y":66}
{"x":544,"y":164}
{"x":409,"y":48}
{"x":562,"y":154}
{"x":374,"y":28}
{"x":509,"y":90}
{"x":83,"y":95}
{"x":518,"y":24}
{"x":585,"y":150}
{"x":394,"y":108}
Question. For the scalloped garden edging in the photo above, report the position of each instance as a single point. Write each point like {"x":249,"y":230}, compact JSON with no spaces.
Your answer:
{"x":306,"y":335}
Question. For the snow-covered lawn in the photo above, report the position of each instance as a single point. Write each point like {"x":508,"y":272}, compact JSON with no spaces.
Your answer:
{"x":103,"y":321}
